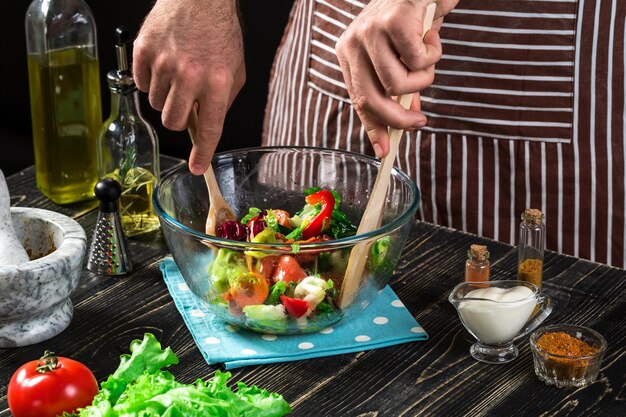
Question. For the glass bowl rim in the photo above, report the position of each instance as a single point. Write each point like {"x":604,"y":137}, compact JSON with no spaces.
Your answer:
{"x":563,"y":327}
{"x":534,"y":287}
{"x":395,"y":224}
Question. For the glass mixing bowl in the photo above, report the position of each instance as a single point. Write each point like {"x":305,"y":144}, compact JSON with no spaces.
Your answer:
{"x":275,"y":178}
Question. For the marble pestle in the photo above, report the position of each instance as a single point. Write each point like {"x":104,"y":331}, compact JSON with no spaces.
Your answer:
{"x":11,"y":250}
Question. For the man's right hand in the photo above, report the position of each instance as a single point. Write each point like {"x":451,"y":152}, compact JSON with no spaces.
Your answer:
{"x":188,"y":52}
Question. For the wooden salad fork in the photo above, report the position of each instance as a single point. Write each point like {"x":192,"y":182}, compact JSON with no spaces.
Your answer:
{"x":373,"y":211}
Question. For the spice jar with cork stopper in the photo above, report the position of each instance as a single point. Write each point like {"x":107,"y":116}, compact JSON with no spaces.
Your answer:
{"x":532,"y":240}
{"x":477,"y":265}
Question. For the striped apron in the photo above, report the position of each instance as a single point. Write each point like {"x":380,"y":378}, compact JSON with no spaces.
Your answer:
{"x":527,"y":110}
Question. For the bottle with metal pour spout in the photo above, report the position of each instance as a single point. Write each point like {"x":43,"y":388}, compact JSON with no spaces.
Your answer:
{"x":128,"y":148}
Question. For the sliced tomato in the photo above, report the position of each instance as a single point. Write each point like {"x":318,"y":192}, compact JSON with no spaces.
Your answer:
{"x":309,"y":257}
{"x":268,"y":263}
{"x":288,"y":269}
{"x":283,"y":218}
{"x":294,"y":306}
{"x":248,"y":289}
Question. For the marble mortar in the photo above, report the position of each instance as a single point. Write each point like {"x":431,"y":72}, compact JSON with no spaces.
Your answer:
{"x":35,"y":300}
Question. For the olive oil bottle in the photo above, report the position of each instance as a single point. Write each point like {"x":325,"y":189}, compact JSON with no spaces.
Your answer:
{"x":128,"y":149}
{"x":65,"y":102}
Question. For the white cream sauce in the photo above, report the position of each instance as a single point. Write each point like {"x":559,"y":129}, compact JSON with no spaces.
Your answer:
{"x":500,"y":314}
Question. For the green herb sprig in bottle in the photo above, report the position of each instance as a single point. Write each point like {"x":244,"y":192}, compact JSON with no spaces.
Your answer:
{"x":128,"y":148}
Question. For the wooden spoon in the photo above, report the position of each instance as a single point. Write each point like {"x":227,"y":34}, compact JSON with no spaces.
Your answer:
{"x":219,"y":210}
{"x":373,"y":212}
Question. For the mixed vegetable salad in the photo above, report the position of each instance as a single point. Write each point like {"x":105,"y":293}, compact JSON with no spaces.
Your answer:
{"x":273,"y":291}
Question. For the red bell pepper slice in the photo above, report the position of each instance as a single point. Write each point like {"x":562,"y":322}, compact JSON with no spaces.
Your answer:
{"x":319,"y":223}
{"x":295,"y":306}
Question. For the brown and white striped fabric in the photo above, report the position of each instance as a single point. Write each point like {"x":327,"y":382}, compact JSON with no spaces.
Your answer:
{"x":527,"y":110}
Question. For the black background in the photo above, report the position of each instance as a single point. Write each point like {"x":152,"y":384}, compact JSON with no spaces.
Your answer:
{"x":264,"y":22}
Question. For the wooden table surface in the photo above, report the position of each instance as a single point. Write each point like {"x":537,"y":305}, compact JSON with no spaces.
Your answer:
{"x":435,"y":377}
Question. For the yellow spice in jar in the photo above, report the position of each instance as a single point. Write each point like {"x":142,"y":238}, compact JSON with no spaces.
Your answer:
{"x":531,"y":271}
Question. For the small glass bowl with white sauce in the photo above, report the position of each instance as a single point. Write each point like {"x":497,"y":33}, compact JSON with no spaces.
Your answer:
{"x":497,"y":313}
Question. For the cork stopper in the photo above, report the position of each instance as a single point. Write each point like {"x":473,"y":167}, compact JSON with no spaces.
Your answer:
{"x":532,"y":216}
{"x":478,"y":252}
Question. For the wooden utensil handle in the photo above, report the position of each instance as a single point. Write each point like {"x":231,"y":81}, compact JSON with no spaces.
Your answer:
{"x":219,"y":210}
{"x":372,"y":216}
{"x":373,"y":212}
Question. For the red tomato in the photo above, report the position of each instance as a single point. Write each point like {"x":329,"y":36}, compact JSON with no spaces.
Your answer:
{"x":294,"y":306}
{"x":287,"y":269}
{"x":267,"y":266}
{"x":309,"y":257}
{"x":49,"y":386}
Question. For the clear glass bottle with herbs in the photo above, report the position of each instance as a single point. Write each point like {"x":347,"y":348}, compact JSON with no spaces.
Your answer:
{"x":128,"y":148}
{"x":477,"y":265}
{"x":532,"y":241}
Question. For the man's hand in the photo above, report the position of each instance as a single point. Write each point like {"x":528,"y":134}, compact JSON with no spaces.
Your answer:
{"x":383,"y":54}
{"x":188,"y":52}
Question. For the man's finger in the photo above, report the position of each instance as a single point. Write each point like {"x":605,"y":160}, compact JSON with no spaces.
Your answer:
{"x":343,"y":49}
{"x":211,"y":116}
{"x":141,"y":71}
{"x":395,"y":77}
{"x":416,"y":103}
{"x":376,"y":132}
{"x":159,"y":89}
{"x":416,"y":49}
{"x":376,"y":110}
{"x":368,"y":97}
{"x":177,"y":106}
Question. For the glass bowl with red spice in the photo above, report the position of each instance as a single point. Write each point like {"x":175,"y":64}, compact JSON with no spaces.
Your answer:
{"x":567,"y":355}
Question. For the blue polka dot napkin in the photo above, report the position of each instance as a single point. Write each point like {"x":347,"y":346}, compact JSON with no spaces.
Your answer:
{"x":384,"y":323}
